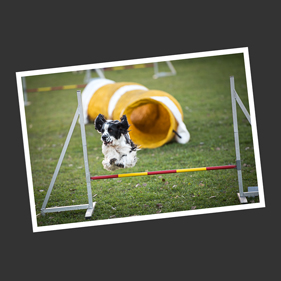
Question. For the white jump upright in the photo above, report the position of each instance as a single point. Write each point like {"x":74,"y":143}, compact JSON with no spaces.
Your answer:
{"x":252,"y":191}
{"x":88,"y":75}
{"x":90,"y":206}
{"x":158,"y":74}
{"x":26,"y":102}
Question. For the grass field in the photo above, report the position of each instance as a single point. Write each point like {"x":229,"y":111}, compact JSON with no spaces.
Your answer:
{"x":202,"y":88}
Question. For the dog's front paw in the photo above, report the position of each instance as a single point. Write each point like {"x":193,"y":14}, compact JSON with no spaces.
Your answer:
{"x":112,"y":161}
{"x":120,"y":165}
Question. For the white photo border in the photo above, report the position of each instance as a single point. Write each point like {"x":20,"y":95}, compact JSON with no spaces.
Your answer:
{"x":244,"y":50}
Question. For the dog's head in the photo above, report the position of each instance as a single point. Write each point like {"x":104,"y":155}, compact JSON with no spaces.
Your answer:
{"x":111,"y":131}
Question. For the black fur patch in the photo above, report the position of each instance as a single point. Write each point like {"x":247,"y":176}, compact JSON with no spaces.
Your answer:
{"x":99,"y":121}
{"x":124,"y":125}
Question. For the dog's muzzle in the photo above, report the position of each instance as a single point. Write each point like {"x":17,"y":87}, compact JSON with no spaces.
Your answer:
{"x":106,"y":139}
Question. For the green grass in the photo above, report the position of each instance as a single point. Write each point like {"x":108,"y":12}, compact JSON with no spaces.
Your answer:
{"x":202,"y":88}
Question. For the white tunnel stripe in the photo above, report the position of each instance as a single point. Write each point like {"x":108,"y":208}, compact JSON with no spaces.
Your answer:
{"x":181,"y":130}
{"x":170,"y":104}
{"x":89,"y":91}
{"x":119,"y":93}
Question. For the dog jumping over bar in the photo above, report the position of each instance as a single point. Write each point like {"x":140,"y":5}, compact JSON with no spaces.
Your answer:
{"x":118,"y":149}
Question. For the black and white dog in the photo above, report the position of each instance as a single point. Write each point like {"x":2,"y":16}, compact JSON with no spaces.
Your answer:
{"x":118,"y":149}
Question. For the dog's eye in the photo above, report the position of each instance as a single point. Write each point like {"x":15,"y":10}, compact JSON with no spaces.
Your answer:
{"x":110,"y":130}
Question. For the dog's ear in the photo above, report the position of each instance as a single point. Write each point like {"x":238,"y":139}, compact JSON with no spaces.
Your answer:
{"x":100,"y":120}
{"x":124,"y":125}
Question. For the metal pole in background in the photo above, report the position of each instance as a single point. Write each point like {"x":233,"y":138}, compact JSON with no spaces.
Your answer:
{"x":158,"y":74}
{"x":171,"y":67}
{"x":26,"y":102}
{"x":88,"y":76}
{"x":155,"y":65}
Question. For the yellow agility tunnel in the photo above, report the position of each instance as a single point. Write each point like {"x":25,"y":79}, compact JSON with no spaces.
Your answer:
{"x":154,"y":115}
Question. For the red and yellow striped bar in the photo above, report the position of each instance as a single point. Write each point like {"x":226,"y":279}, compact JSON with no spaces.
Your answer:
{"x":164,"y":172}
{"x":129,"y":66}
{"x":46,"y":89}
{"x":67,"y":87}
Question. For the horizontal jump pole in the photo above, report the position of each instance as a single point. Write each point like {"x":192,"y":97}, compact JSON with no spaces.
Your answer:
{"x":164,"y":172}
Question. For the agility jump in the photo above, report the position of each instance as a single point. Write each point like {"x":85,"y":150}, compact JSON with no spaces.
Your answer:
{"x":91,"y":205}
